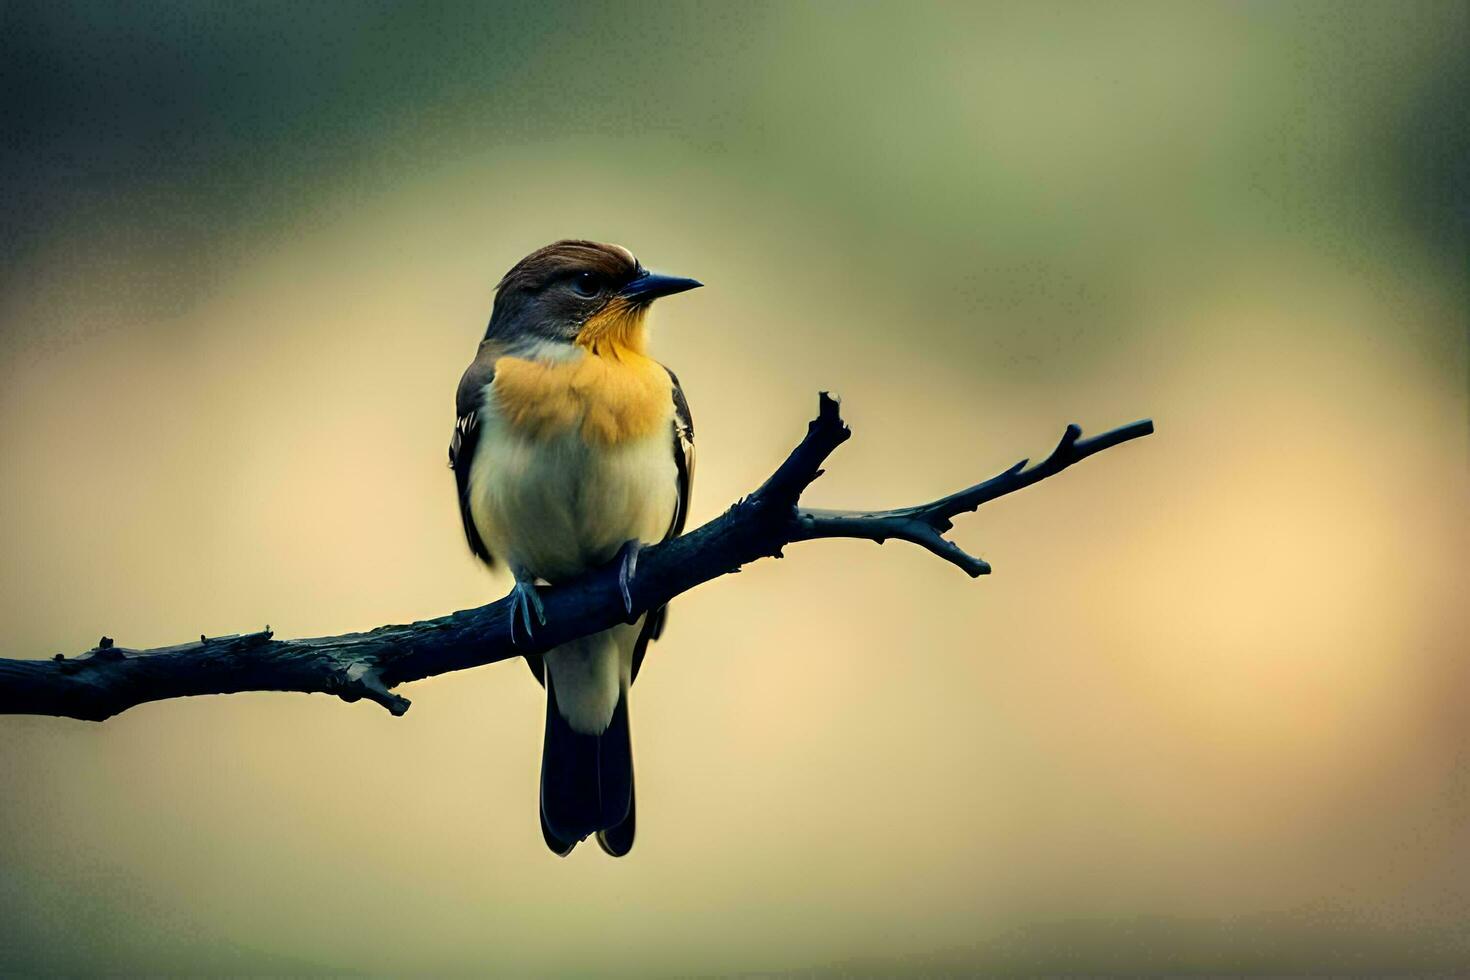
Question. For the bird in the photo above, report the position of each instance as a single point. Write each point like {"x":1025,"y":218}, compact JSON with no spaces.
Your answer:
{"x":573,"y":447}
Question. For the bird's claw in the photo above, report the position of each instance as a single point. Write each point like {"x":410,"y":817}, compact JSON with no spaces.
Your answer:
{"x":523,"y":598}
{"x":627,"y":567}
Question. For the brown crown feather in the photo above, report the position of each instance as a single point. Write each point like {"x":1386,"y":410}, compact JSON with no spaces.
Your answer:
{"x":569,"y":255}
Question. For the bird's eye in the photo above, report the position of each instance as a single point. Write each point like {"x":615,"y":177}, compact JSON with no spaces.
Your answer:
{"x":585,"y":284}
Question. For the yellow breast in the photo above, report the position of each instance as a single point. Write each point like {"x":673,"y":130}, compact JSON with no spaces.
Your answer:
{"x":615,"y":395}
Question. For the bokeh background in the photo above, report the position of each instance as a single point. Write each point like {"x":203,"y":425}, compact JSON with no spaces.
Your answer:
{"x":1209,"y":713}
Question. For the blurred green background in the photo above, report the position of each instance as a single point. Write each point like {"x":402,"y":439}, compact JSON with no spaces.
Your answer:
{"x":1209,"y":713}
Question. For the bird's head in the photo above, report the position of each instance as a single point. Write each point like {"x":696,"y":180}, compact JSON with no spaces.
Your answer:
{"x":578,"y":292}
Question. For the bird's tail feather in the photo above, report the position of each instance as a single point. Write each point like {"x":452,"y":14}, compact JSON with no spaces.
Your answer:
{"x":587,"y":781}
{"x":617,"y":841}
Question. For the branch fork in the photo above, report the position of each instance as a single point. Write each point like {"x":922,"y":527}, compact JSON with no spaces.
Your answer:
{"x":925,"y":524}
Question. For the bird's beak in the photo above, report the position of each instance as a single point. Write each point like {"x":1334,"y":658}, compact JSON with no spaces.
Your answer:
{"x":649,"y":286}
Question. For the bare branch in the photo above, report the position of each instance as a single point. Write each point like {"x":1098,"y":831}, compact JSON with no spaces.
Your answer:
{"x":925,"y":524}
{"x":108,"y":679}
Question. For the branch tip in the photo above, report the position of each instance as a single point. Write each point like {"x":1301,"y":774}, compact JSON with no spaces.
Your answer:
{"x":1069,"y":439}
{"x":362,"y":680}
{"x":977,"y":567}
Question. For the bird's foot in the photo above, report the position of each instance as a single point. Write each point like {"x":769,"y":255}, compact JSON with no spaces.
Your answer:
{"x":627,"y":566}
{"x":523,"y":599}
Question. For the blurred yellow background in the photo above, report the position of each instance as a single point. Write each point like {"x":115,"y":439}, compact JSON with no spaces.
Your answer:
{"x":1210,"y":711}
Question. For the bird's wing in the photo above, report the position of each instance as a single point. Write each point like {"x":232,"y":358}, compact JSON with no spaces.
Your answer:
{"x":683,"y":449}
{"x":683,"y":457}
{"x":466,"y":436}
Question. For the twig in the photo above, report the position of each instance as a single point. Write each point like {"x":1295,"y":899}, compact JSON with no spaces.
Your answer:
{"x":925,"y":524}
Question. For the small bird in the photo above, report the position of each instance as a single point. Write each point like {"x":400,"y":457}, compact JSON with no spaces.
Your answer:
{"x":573,"y":447}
